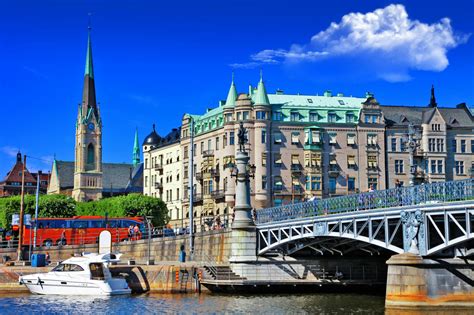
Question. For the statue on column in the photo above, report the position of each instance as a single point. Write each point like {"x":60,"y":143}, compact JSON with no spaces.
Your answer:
{"x":242,"y":137}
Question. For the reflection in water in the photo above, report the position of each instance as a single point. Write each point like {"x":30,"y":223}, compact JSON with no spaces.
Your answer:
{"x":204,"y":303}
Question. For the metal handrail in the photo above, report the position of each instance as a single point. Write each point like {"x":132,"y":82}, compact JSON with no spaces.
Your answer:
{"x":395,"y":197}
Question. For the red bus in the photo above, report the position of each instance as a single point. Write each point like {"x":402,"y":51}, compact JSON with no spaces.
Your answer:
{"x":80,"y":230}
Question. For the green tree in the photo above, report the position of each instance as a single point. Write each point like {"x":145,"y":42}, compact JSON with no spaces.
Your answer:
{"x":127,"y":206}
{"x":56,"y":206}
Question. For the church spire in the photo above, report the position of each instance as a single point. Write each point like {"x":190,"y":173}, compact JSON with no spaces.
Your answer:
{"x":88,"y":92}
{"x":262,"y":97}
{"x":232,"y":95}
{"x":136,"y":150}
{"x":433,"y":98}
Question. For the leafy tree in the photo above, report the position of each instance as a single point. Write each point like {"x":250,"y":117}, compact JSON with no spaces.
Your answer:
{"x":56,"y":206}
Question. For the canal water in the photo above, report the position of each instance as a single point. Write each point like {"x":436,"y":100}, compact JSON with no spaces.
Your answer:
{"x":195,"y":304}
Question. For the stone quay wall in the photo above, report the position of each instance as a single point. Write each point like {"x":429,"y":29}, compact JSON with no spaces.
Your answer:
{"x":210,"y":246}
{"x":417,"y":283}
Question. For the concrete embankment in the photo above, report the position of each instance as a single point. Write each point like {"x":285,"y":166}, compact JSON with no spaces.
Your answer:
{"x":163,"y":278}
{"x":209,"y":246}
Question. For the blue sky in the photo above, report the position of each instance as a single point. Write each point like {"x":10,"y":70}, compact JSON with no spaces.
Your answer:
{"x":156,"y":60}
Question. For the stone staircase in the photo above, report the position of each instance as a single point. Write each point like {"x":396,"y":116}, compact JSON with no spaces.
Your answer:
{"x":222,"y":272}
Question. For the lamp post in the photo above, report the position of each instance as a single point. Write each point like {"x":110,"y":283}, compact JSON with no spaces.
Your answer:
{"x":148,"y":222}
{"x":243,"y":227}
{"x":36,"y":206}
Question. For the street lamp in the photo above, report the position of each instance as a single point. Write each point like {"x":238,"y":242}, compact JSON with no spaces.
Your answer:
{"x":148,"y":222}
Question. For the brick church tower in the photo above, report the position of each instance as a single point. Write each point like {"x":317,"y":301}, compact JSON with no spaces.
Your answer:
{"x":88,"y":149}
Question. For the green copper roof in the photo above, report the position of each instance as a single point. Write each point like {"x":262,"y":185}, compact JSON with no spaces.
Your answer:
{"x":89,"y":67}
{"x":232,"y":95}
{"x":261,"y":98}
{"x":136,"y":150}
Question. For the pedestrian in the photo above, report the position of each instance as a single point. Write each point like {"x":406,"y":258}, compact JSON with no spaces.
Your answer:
{"x":130,"y":232}
{"x":48,"y":258}
{"x":136,"y":231}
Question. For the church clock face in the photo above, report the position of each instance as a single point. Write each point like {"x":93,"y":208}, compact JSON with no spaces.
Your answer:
{"x":91,"y":126}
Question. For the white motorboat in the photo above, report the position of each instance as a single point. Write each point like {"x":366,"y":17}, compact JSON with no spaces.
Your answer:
{"x":85,"y":275}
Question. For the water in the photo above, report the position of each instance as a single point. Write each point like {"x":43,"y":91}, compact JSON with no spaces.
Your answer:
{"x":195,"y":304}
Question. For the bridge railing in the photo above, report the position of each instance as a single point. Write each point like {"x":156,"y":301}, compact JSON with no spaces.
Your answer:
{"x":395,"y":197}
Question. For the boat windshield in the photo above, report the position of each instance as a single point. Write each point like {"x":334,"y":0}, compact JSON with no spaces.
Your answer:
{"x":97,"y":271}
{"x":67,"y":267}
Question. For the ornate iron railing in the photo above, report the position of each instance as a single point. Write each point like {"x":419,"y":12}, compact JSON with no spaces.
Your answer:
{"x":395,"y":197}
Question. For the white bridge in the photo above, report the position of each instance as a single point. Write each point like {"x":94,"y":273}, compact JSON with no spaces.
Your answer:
{"x":428,"y":219}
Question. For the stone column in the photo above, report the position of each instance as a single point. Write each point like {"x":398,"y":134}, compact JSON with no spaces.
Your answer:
{"x":244,"y":237}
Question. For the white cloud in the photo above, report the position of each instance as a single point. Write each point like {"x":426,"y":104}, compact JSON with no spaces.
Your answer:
{"x":10,"y":151}
{"x":387,"y":37}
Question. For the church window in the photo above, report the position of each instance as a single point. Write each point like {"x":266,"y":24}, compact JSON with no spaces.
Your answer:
{"x":90,"y":154}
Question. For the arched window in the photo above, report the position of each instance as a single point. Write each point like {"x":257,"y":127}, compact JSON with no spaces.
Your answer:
{"x":90,"y":155}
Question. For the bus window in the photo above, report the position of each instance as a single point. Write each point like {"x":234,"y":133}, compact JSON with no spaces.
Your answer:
{"x":97,"y":224}
{"x":79,"y":224}
{"x":113,"y":223}
{"x":57,"y":224}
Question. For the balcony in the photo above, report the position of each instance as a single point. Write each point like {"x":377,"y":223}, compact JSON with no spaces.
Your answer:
{"x":198,"y":176}
{"x":280,"y":190}
{"x":334,"y":170}
{"x":208,"y":153}
{"x":218,"y":194}
{"x":372,"y":147}
{"x":296,"y":169}
{"x":214,"y":172}
{"x":158,"y":167}
{"x":158,"y":185}
{"x":197,"y":198}
{"x":372,"y":170}
{"x":420,"y":175}
{"x":313,"y":169}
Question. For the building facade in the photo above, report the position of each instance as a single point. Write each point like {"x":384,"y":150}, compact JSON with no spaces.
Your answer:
{"x":444,"y":143}
{"x":302,"y":146}
{"x":162,"y":175}
{"x":11,"y":184}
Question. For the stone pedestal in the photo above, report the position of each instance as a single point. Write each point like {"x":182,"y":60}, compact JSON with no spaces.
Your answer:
{"x":243,"y":248}
{"x":244,"y":237}
{"x":414,"y":283}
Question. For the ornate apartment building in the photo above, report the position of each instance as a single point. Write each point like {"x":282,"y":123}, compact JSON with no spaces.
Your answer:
{"x":302,"y":146}
{"x":444,"y":147}
{"x":162,"y":171}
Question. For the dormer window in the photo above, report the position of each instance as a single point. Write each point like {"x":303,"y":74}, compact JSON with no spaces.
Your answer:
{"x":332,"y":117}
{"x":310,"y":100}
{"x":350,"y":118}
{"x":295,"y":116}
{"x":341,"y":102}
{"x":277,"y":116}
{"x":313,"y":116}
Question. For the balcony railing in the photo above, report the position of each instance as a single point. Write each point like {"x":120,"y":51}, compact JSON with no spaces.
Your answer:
{"x":372,"y":147}
{"x":158,"y":185}
{"x":198,"y":176}
{"x":395,"y":197}
{"x":197,"y":197}
{"x":334,"y":170}
{"x":313,"y":169}
{"x":158,"y":166}
{"x":214,"y":172}
{"x":218,"y":194}
{"x":296,"y":168}
{"x":208,"y":153}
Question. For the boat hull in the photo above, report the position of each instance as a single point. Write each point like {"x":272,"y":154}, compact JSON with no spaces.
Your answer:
{"x":48,"y":286}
